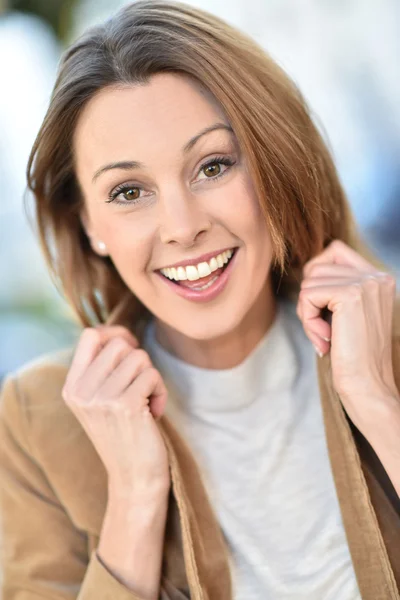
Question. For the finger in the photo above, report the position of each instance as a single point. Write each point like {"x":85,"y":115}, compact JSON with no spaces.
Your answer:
{"x":312,"y":302}
{"x":340,"y":253}
{"x":311,"y":282}
{"x":321,"y":346}
{"x":150,"y":386}
{"x":89,"y":345}
{"x":110,"y":331}
{"x":109,"y":357}
{"x":125,"y":373}
{"x":91,"y":341}
{"x":323,"y":269}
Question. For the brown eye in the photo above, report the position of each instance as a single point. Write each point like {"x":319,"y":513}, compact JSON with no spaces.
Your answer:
{"x":131,"y":193}
{"x":212,"y":169}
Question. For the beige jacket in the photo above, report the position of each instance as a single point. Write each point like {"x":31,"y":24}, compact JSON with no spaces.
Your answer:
{"x":54,"y":494}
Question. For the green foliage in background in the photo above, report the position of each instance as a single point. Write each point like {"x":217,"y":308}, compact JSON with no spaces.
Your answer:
{"x":57,"y":13}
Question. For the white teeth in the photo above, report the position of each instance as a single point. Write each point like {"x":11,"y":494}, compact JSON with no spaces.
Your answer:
{"x":181,"y":272}
{"x":213,"y":264}
{"x":203,"y":269}
{"x":206,"y":285}
{"x":193,"y":272}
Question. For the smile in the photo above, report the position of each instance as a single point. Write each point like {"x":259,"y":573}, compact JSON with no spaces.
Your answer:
{"x":202,"y":282}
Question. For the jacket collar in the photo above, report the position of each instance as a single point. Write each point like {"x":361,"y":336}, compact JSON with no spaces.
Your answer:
{"x":370,"y":559}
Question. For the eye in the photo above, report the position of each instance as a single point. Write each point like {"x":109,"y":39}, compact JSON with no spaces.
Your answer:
{"x":125,"y":194}
{"x":213,"y":169}
{"x":131,"y":193}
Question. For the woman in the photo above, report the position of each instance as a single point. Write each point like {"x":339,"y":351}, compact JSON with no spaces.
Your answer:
{"x":194,"y":219}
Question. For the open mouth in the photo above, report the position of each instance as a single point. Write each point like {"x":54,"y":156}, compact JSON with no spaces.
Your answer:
{"x":205,"y":288}
{"x":191,"y":276}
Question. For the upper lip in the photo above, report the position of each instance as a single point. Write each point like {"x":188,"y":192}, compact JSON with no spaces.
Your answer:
{"x":198,"y":259}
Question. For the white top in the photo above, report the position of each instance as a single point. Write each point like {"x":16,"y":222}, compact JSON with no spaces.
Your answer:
{"x":257,"y":433}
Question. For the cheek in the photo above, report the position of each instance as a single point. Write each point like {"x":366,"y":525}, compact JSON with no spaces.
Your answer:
{"x":242,"y":211}
{"x":129,"y":241}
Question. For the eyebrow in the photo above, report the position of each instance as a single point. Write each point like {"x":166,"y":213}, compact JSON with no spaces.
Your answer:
{"x":127,"y":165}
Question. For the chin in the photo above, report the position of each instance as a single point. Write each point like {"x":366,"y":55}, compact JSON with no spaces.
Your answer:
{"x":206,"y":329}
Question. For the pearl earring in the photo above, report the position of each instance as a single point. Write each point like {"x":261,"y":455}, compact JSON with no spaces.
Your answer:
{"x":101,"y":246}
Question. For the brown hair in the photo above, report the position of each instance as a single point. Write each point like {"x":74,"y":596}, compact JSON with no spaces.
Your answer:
{"x":295,"y":179}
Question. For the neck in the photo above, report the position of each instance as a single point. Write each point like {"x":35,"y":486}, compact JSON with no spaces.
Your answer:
{"x":228,"y":350}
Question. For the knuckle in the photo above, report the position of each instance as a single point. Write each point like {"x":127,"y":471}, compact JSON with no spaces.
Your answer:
{"x":355,"y":290}
{"x":153,"y":373}
{"x":303,"y":294}
{"x":142,"y":356}
{"x":90,"y":333}
{"x":313,"y":268}
{"x":69,"y":396}
{"x":119,"y":344}
{"x":124,"y":332}
{"x":115,"y":327}
{"x":372,"y":282}
{"x":74,"y":393}
{"x":389,"y":279}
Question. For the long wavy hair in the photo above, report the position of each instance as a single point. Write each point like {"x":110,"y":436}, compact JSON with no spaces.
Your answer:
{"x":295,"y":179}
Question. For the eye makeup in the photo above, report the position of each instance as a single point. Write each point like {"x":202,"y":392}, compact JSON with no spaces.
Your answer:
{"x":128,"y":187}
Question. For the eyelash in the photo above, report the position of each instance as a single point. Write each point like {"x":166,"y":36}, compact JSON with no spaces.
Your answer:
{"x":224,"y":160}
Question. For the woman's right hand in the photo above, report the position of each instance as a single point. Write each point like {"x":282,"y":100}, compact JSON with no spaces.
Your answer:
{"x":117,"y":395}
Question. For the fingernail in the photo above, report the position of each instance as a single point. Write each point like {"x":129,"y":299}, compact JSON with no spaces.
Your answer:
{"x":318,"y":351}
{"x":326,"y":339}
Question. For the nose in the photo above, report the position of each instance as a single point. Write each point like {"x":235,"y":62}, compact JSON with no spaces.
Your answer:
{"x":182,"y":219}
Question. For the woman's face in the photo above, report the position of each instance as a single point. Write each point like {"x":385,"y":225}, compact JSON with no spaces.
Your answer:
{"x":159,"y":191}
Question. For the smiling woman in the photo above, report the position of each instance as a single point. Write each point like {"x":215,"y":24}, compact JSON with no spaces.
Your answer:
{"x":192,"y":445}
{"x":164,"y":183}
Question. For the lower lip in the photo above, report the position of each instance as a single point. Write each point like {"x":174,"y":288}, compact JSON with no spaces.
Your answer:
{"x":204,"y":295}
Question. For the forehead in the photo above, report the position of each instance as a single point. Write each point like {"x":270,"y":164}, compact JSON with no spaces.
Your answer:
{"x":160,"y":114}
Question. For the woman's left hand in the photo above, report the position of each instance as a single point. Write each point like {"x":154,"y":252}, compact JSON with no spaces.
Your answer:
{"x":359,"y":337}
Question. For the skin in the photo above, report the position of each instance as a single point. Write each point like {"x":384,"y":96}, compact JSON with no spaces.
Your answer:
{"x":177,"y":213}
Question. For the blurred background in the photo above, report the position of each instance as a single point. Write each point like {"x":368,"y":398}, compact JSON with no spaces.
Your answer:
{"x":344,"y":55}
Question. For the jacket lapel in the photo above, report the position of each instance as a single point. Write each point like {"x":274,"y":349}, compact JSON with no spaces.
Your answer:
{"x":204,"y":549}
{"x":370,"y":558}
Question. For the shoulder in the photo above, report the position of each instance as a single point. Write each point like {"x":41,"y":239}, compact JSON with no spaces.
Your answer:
{"x":38,"y":430}
{"x":43,"y":377}
{"x":46,"y":369}
{"x":31,"y":396}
